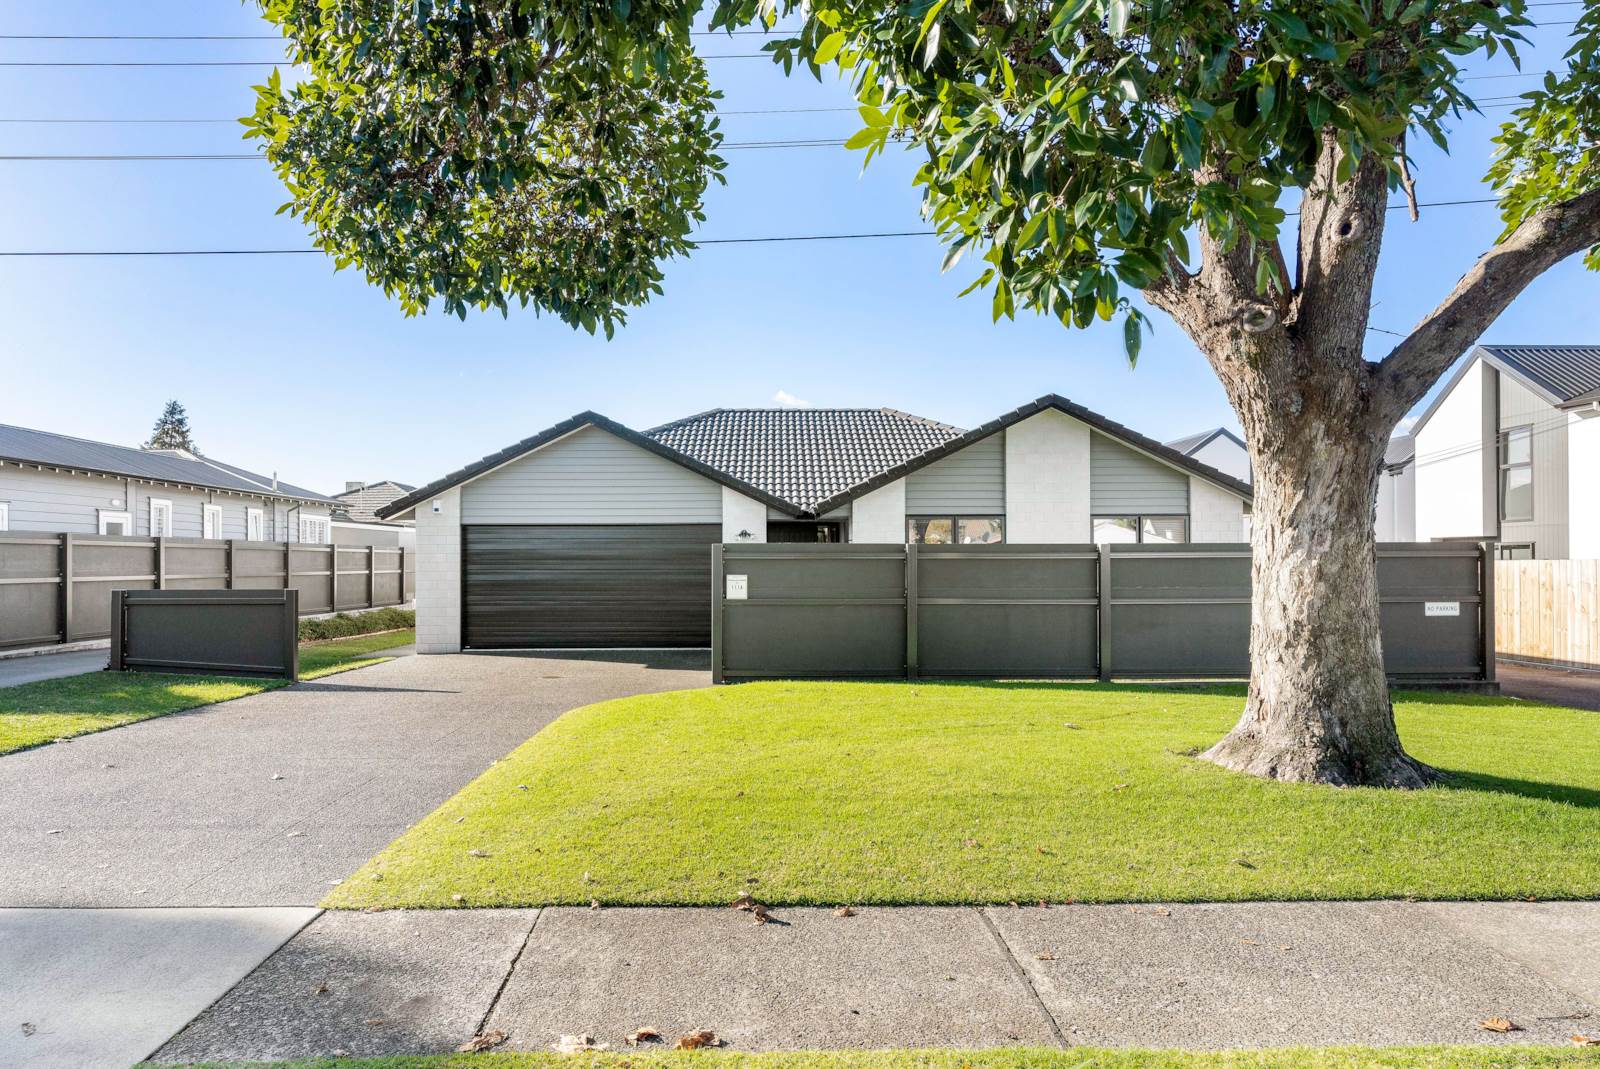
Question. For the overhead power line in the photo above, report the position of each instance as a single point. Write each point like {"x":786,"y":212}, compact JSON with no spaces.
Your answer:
{"x":703,"y":241}
{"x":45,"y":121}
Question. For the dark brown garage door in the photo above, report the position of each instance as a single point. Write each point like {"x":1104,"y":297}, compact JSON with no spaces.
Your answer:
{"x":587,"y":586}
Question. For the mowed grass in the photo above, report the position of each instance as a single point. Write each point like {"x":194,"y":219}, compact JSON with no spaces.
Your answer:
{"x":1514,"y":1057}
{"x":35,"y":713}
{"x":829,"y":793}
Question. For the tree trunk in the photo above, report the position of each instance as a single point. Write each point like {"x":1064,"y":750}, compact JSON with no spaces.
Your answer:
{"x":1318,"y":707}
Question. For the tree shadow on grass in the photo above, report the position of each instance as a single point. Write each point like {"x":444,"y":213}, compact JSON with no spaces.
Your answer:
{"x":1456,"y":780}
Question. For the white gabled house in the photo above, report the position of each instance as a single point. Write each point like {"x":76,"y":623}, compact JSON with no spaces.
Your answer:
{"x":1509,"y":451}
{"x":590,"y":534}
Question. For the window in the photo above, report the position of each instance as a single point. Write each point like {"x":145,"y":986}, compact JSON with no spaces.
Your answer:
{"x":5,"y":515}
{"x":1516,"y":473}
{"x":160,"y":517}
{"x":1156,"y":530}
{"x":1515,"y":551}
{"x":314,"y":529}
{"x":254,"y":526}
{"x":956,"y":530}
{"x":115,"y":523}
{"x":211,"y":526}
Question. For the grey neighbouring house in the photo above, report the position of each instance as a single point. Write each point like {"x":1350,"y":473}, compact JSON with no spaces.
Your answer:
{"x":1218,"y":447}
{"x":355,"y":519}
{"x":56,"y":483}
{"x":592,"y":534}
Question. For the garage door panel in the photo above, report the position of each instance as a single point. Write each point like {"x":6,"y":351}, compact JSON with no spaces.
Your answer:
{"x":588,"y":585}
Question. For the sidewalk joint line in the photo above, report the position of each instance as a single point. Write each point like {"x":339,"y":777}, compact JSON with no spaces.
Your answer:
{"x":1022,"y":974}
{"x":506,"y":979}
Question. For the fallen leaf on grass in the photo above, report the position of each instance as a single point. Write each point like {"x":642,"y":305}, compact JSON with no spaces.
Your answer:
{"x":844,"y":911}
{"x":477,"y":853}
{"x":702,"y":1037}
{"x":458,"y":898}
{"x":643,"y":1035}
{"x":1119,"y":787}
{"x":759,"y":912}
{"x":566,"y":1044}
{"x":1243,"y":863}
{"x":594,"y":903}
{"x":320,"y":989}
{"x":745,"y":901}
{"x":1581,"y":1040}
{"x":1498,"y":1024}
{"x":483,"y":1041}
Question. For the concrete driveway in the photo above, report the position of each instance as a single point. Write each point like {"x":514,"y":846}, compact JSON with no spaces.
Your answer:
{"x":268,"y":800}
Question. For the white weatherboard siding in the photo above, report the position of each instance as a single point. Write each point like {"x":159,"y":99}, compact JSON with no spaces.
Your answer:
{"x":1214,"y":514}
{"x":1125,"y":482}
{"x":1047,"y":479}
{"x":64,"y":502}
{"x":1451,"y":480}
{"x":1226,"y":455}
{"x":438,"y":596}
{"x":740,"y":513}
{"x":1520,"y":407}
{"x":1396,"y":519}
{"x":970,"y":481}
{"x":1583,"y":509}
{"x":591,"y":476}
{"x":880,"y":516}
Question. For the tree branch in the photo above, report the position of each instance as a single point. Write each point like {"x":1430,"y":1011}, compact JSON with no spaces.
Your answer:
{"x":1544,"y":239}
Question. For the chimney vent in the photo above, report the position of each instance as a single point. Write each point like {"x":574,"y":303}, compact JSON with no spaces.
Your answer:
{"x":353,"y":485}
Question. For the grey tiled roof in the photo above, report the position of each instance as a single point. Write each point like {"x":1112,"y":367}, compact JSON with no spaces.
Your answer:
{"x":360,"y":505}
{"x":1400,"y":451}
{"x":156,"y":465}
{"x":804,"y":455}
{"x":1566,"y":371}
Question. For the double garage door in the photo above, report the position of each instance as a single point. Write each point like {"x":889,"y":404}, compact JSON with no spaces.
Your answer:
{"x":587,"y":586}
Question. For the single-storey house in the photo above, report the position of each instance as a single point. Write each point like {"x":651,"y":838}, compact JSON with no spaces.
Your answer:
{"x":1501,"y":452}
{"x":591,"y":534}
{"x":53,"y":482}
{"x":1218,"y":447}
{"x":355,"y":519}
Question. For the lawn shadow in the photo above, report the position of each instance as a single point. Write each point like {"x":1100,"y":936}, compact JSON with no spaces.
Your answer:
{"x":1226,"y":689}
{"x":1456,"y":780}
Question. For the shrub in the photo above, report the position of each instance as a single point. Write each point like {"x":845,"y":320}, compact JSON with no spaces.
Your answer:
{"x":345,"y":624}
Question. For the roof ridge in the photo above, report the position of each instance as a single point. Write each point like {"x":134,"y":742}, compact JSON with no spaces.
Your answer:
{"x":680,"y":422}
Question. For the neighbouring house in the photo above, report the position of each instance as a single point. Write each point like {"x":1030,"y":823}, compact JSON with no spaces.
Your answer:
{"x":53,"y":482}
{"x":1397,"y":491}
{"x":591,"y":534}
{"x":1220,"y":448}
{"x":1501,"y":451}
{"x":355,"y":520}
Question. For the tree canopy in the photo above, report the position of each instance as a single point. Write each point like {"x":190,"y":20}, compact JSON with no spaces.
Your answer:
{"x":171,"y":430}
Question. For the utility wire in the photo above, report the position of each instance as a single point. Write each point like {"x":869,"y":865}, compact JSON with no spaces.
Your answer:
{"x":179,"y":122}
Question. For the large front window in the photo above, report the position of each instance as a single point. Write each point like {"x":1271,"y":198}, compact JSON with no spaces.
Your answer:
{"x":956,"y":530}
{"x":1516,"y":474}
{"x":1157,"y":530}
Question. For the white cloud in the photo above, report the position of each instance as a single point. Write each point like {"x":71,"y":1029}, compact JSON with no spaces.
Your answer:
{"x":785,"y":399}
{"x":1405,"y":425}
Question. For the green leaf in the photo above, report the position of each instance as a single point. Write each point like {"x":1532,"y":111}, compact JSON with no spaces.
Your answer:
{"x":1033,"y":231}
{"x":1132,"y":337}
{"x":865,"y":137}
{"x":829,"y":48}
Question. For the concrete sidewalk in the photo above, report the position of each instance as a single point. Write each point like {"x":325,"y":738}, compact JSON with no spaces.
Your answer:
{"x":1201,"y":976}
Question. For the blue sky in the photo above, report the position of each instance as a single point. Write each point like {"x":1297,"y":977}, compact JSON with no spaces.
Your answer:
{"x":286,"y":366}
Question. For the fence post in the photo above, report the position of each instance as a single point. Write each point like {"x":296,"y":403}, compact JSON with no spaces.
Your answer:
{"x":228,"y":563}
{"x":1103,"y":616}
{"x":333,"y":577}
{"x":161,"y":562}
{"x":716,"y":613}
{"x":115,"y":663}
{"x":912,"y":655}
{"x":291,"y":633}
{"x":402,"y":600}
{"x":372,"y":577}
{"x":1487,"y":550}
{"x":288,"y":563}
{"x":66,"y":587}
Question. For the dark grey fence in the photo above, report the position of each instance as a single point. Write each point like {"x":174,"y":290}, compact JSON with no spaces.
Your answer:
{"x":211,"y":632}
{"x":1062,"y":611}
{"x":57,"y":587}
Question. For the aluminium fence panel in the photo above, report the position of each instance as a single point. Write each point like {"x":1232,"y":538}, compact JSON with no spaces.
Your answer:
{"x":212,"y":632}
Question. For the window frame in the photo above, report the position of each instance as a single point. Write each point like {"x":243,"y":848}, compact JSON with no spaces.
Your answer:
{"x":1505,"y":466}
{"x":324,"y":531}
{"x":207,"y":512}
{"x":1139,"y":519}
{"x":157,"y":504}
{"x":255,"y":520}
{"x":955,"y":519}
{"x":122,"y":516}
{"x":5,"y":515}
{"x":1502,"y":547}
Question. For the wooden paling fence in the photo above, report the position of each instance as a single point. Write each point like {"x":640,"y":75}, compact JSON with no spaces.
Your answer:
{"x":1548,"y":611}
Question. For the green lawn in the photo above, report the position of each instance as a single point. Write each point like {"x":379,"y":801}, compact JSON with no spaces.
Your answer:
{"x":887,"y":793}
{"x":1514,"y":1057}
{"x":36,"y":713}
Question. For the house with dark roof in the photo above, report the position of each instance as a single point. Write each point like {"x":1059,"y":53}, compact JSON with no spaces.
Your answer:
{"x":1508,"y":451}
{"x":56,"y":483}
{"x":1218,"y":447}
{"x":593,"y":534}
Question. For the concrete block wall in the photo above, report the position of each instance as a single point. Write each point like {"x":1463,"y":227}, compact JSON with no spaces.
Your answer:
{"x":1047,"y":480}
{"x":880,"y":516}
{"x":439,"y":574}
{"x":1214,"y":514}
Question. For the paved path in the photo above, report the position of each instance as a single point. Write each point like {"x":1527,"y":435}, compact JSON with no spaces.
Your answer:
{"x":270,"y":799}
{"x":1200,"y":976}
{"x":1558,"y":686}
{"x":15,"y":670}
{"x":103,"y":988}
